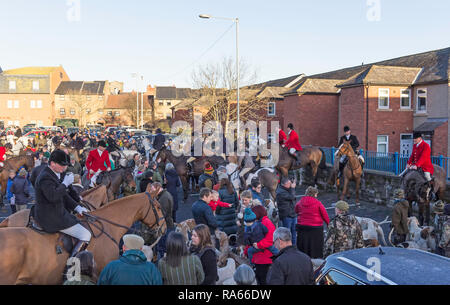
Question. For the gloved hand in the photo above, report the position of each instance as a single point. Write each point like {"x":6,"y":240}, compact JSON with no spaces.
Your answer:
{"x":80,"y":210}
{"x":68,"y":179}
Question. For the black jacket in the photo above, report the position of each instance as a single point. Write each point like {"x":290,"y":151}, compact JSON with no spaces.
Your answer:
{"x":112,"y":146}
{"x":291,"y":267}
{"x":159,"y":141}
{"x":203,"y":214}
{"x":209,"y":263}
{"x":173,"y":182}
{"x":286,"y":202}
{"x":35,"y":173}
{"x":353,"y":142}
{"x":20,"y":190}
{"x":226,"y":217}
{"x":53,"y":203}
{"x":78,"y":143}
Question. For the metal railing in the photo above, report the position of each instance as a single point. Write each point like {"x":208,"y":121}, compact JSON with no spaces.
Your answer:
{"x":393,"y":163}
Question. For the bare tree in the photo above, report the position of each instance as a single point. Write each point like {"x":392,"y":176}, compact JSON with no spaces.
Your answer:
{"x":84,"y":105}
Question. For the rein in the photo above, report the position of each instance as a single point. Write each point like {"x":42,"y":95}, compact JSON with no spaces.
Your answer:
{"x":92,"y":220}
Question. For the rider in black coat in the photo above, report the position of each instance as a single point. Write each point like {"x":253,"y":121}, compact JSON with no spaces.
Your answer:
{"x":159,"y":140}
{"x":353,"y":142}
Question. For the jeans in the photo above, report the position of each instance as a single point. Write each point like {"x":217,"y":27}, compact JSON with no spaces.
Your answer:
{"x":290,"y":222}
{"x":252,"y":250}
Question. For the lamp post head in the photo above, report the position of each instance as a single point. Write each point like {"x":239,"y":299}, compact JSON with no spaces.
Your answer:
{"x":204,"y":16}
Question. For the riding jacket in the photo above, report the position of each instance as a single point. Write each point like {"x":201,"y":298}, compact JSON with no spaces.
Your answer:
{"x":421,"y":157}
{"x":96,"y":162}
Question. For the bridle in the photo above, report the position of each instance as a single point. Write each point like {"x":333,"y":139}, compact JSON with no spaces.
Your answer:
{"x":94,"y":220}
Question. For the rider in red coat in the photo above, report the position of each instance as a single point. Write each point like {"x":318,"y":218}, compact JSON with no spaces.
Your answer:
{"x":96,"y":160}
{"x":421,"y":157}
{"x":3,"y":152}
{"x":282,"y":138}
{"x":293,"y":143}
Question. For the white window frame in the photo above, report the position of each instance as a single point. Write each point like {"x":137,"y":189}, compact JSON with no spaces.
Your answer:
{"x":16,"y":123}
{"x":10,"y":104}
{"x":12,"y":85}
{"x":32,"y":104}
{"x":109,"y":113}
{"x":381,"y":143}
{"x":402,"y":95}
{"x":39,"y":104}
{"x":36,"y":88}
{"x":100,"y":111}
{"x":271,"y":138}
{"x":116,"y":113}
{"x":274,"y":109}
{"x":426,"y":100}
{"x":62,"y":97}
{"x":62,"y":111}
{"x":39,"y":123}
{"x":72,"y":111}
{"x":100,"y":97}
{"x":88,"y":97}
{"x":88,"y":111}
{"x":379,"y":98}
{"x":16,"y":104}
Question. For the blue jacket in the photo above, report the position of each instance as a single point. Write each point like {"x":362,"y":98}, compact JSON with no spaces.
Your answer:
{"x":9,"y":194}
{"x":20,"y":190}
{"x":173,"y":182}
{"x":226,"y":217}
{"x":203,"y":215}
{"x":255,"y":233}
{"x":131,"y":269}
{"x":258,"y":196}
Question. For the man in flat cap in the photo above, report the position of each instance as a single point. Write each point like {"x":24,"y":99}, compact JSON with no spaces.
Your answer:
{"x":400,"y":216}
{"x":344,"y":231}
{"x":132,"y":268}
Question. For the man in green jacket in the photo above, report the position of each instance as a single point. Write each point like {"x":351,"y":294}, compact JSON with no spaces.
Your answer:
{"x":132,"y":268}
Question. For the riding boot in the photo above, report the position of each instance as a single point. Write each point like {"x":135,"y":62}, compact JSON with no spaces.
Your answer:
{"x":341,"y":170}
{"x":79,"y":247}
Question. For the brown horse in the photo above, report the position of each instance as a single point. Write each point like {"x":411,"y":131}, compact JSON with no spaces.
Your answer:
{"x":93,"y":199}
{"x":14,"y":164}
{"x":114,"y":179}
{"x":352,"y":171}
{"x":310,"y":155}
{"x":29,"y":257}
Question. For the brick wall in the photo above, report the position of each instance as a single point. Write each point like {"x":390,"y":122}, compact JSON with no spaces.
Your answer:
{"x":25,"y":114}
{"x":352,"y":113}
{"x":315,"y":118}
{"x":440,"y":141}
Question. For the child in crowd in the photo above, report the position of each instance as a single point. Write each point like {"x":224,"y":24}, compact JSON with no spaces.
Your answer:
{"x":255,"y":231}
{"x":215,"y":202}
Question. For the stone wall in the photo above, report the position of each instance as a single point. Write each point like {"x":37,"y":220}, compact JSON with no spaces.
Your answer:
{"x":376,"y":187}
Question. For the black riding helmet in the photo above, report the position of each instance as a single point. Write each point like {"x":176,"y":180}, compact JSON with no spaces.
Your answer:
{"x":60,"y":157}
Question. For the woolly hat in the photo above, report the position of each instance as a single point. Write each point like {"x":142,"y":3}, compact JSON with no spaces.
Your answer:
{"x":208,"y":169}
{"x":133,"y":242}
{"x":249,"y":216}
{"x":23,"y":172}
{"x":342,"y":206}
{"x":399,"y":194}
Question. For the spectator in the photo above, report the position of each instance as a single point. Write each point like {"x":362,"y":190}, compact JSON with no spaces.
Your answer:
{"x":139,"y":176}
{"x":203,"y":248}
{"x":400,"y":217}
{"x":207,"y":179}
{"x":263,"y":259}
{"x":147,"y":179}
{"x":135,"y":162}
{"x":344,"y":231}
{"x":226,"y":217}
{"x":74,"y":166}
{"x":21,"y":191}
{"x":215,"y":202}
{"x":290,"y":266}
{"x":255,"y":231}
{"x":178,"y":267}
{"x":9,"y":194}
{"x":37,"y":170}
{"x":76,"y":186}
{"x":202,"y":212}
{"x":132,"y":268}
{"x":87,"y":268}
{"x":172,"y":182}
{"x":156,"y":174}
{"x":285,"y":198}
{"x":256,"y":190}
{"x":246,"y":202}
{"x":311,"y":214}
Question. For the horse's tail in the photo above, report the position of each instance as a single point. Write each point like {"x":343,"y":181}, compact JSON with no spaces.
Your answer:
{"x":323,"y":160}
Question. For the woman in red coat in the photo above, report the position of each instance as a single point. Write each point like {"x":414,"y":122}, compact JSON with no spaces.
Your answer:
{"x":263,"y":260}
{"x":311,"y":214}
{"x":421,"y":157}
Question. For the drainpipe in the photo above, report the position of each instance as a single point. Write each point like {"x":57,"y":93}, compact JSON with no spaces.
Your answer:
{"x":367,"y":115}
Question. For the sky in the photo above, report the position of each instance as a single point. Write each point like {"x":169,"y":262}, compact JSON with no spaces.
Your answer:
{"x":165,"y":40}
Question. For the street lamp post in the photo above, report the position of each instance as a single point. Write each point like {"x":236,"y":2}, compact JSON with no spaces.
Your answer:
{"x":204,"y":16}
{"x":136,"y":75}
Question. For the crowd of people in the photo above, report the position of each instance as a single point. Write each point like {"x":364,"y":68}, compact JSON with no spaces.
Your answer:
{"x":279,"y":245}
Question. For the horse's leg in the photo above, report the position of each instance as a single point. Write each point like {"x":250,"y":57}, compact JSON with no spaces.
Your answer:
{"x":421,"y":212}
{"x":427,"y":212}
{"x":185,"y":184}
{"x":345,"y":190}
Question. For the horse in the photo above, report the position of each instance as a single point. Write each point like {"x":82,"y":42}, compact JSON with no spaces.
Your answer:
{"x":352,"y":171}
{"x":114,"y":179}
{"x":310,"y":155}
{"x":14,"y":164}
{"x":29,"y":257}
{"x":92,"y":199}
{"x":413,"y":183}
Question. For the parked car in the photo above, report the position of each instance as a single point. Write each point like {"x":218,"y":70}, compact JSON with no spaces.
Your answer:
{"x":33,"y":133}
{"x":384,"y":266}
{"x":73,"y":130}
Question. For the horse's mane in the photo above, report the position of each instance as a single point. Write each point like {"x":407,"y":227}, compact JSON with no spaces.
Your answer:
{"x":121,"y":200}
{"x":88,"y":192}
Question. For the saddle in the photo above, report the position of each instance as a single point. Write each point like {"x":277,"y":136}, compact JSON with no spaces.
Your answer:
{"x":65,"y":242}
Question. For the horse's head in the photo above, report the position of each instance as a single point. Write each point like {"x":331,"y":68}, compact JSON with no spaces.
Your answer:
{"x":128,"y":178}
{"x":153,"y":217}
{"x":346,"y":149}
